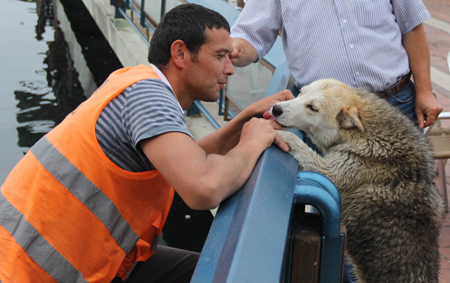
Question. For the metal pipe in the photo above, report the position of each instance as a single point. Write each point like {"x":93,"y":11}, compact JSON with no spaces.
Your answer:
{"x":141,"y":16}
{"x":124,"y":14}
{"x":206,"y":113}
{"x":321,"y":199}
{"x":316,"y":179}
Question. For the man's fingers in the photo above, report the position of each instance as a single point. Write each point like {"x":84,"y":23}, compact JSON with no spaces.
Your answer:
{"x":275,"y":125}
{"x":280,"y":143}
{"x":288,"y":94}
{"x":420,"y":119}
{"x":284,"y":95}
{"x":430,"y":119}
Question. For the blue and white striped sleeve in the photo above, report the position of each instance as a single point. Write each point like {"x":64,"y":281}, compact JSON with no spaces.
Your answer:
{"x":409,"y":14}
{"x":151,"y":109}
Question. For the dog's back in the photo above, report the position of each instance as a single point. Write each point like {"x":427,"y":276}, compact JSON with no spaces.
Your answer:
{"x":392,"y":210}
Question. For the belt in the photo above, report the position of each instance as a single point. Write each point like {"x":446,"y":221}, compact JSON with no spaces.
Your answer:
{"x":396,"y":88}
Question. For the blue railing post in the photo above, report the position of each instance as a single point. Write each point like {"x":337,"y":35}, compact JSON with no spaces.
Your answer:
{"x":142,"y":15}
{"x":163,"y":8}
{"x":118,"y":4}
{"x":325,"y":198}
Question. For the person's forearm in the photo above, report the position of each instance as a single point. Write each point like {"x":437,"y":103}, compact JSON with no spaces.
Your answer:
{"x":416,"y":46}
{"x":427,"y":106}
{"x":226,"y":137}
{"x":204,"y":180}
{"x":231,"y":172}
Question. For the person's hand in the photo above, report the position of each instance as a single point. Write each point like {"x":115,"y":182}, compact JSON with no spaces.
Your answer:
{"x":236,"y":53}
{"x":428,"y":109}
{"x":260,"y":107}
{"x":243,"y":52}
{"x":262,"y":134}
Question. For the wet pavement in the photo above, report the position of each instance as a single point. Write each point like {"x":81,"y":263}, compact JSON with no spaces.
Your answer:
{"x":438,"y":33}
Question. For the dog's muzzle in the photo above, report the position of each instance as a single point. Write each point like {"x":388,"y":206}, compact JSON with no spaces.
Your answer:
{"x":276,"y":110}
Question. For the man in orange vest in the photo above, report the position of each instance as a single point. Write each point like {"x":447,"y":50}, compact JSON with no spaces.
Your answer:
{"x":89,"y":200}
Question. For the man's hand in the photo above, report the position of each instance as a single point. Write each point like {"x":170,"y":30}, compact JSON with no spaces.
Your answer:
{"x":236,"y":53}
{"x":428,"y":109}
{"x":262,"y":133}
{"x":243,"y":52}
{"x":263,"y":105}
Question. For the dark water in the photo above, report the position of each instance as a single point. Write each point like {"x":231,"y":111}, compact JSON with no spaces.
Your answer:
{"x":40,"y":85}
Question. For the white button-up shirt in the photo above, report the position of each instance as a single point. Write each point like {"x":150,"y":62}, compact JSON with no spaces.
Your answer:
{"x":358,"y":42}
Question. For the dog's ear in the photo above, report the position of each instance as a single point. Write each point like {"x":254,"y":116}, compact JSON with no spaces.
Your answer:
{"x":349,"y":118}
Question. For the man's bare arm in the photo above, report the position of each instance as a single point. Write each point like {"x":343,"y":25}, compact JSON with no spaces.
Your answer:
{"x":427,"y":106}
{"x":204,"y":180}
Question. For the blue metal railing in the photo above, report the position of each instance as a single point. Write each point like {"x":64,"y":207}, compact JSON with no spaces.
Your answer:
{"x":242,"y":245}
{"x":250,"y":229}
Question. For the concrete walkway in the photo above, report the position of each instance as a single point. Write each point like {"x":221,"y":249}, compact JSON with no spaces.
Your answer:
{"x":438,"y":33}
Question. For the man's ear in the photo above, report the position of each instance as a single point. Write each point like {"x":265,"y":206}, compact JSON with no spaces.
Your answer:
{"x":178,"y":52}
{"x":349,"y":118}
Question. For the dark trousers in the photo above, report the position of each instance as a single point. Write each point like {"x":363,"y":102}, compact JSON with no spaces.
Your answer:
{"x":167,"y":265}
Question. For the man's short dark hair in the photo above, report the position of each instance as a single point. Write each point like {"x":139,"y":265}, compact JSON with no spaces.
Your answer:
{"x":185,"y":22}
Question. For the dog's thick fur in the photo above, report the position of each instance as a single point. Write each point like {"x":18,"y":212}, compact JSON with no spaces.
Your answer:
{"x":383,"y":168}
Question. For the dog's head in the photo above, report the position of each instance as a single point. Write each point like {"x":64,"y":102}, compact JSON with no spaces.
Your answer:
{"x":321,"y":110}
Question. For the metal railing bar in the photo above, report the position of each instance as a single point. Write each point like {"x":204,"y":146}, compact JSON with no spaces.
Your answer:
{"x":206,"y":113}
{"x":124,"y":14}
{"x":231,"y":114}
{"x":163,"y":8}
{"x":141,"y":16}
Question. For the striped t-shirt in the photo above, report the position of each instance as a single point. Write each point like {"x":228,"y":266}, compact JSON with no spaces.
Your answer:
{"x":143,"y":110}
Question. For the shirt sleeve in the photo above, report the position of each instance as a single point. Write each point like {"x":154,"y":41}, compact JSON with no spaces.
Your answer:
{"x":409,"y":14}
{"x":259,"y":23}
{"x":151,"y":109}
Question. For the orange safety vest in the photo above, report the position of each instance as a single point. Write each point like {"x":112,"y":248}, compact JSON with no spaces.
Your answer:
{"x":68,"y":214}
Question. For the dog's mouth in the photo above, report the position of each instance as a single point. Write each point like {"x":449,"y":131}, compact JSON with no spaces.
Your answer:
{"x":268,"y":116}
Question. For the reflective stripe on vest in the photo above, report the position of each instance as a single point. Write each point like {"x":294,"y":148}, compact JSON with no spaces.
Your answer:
{"x":36,"y":246}
{"x":83,"y":189}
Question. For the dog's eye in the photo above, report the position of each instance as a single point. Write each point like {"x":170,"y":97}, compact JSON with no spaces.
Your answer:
{"x":312,"y":108}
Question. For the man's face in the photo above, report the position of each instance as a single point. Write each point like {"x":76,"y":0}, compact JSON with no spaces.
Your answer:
{"x":209,"y":69}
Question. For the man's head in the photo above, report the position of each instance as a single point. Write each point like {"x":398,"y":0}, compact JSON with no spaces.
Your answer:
{"x":187,"y":23}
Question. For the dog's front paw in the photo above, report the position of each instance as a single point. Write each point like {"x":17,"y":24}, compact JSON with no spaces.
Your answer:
{"x":300,"y":150}
{"x":289,"y":138}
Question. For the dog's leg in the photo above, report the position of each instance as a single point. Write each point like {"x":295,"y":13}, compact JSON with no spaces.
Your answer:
{"x":307,"y":158}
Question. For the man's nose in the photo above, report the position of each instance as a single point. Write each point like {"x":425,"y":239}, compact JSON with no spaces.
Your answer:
{"x":229,"y":68}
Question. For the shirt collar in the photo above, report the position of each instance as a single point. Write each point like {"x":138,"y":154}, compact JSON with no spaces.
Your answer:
{"x":164,"y":79}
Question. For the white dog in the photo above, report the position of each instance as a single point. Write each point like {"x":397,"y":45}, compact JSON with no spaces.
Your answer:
{"x":383,"y":168}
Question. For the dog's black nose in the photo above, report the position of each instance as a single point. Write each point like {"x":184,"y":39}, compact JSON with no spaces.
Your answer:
{"x":276,"y":110}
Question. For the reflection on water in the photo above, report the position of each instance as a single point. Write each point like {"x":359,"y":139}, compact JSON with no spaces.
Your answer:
{"x":43,"y":106}
{"x":44,"y":10}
